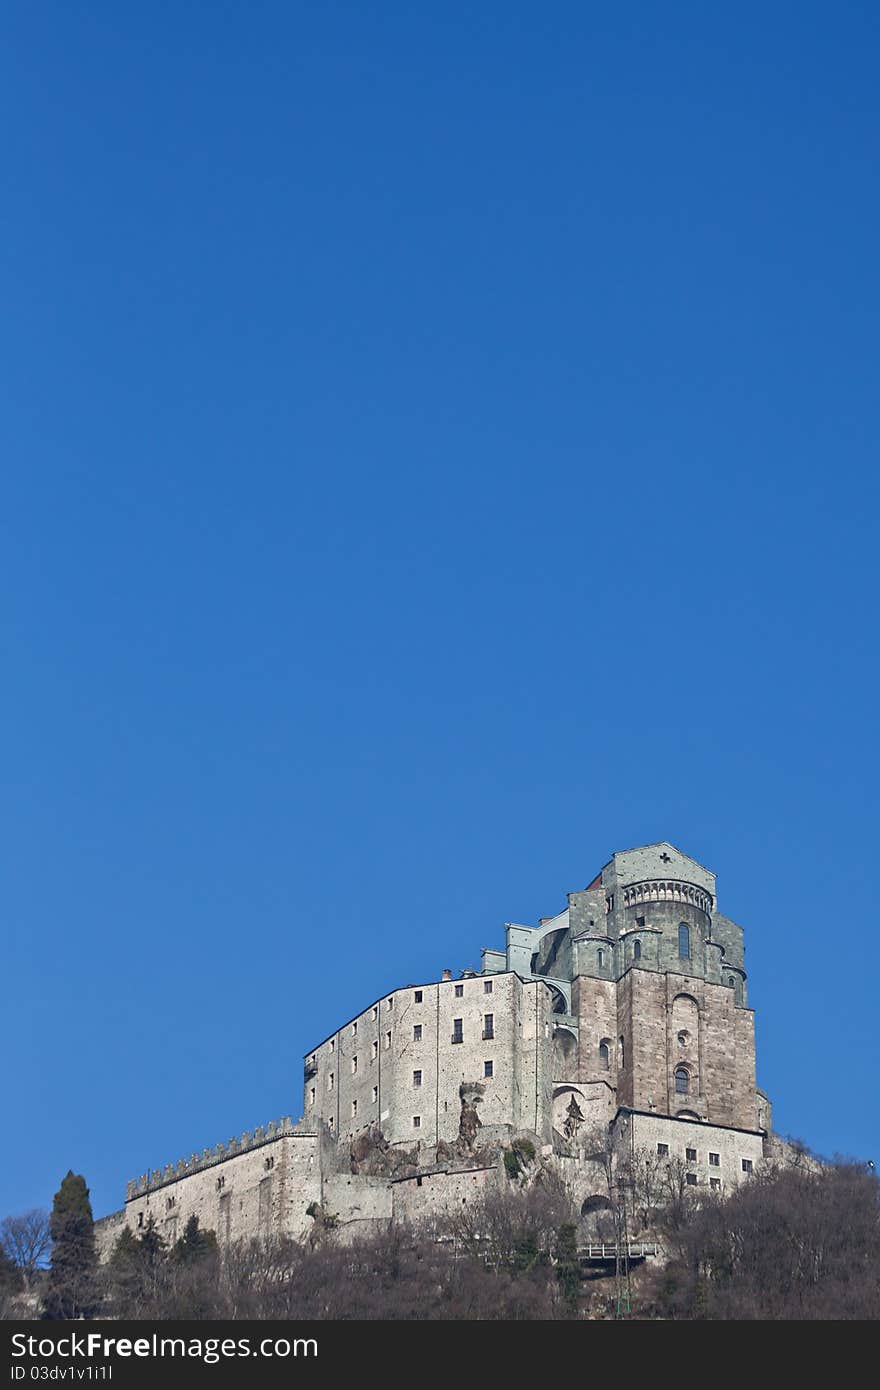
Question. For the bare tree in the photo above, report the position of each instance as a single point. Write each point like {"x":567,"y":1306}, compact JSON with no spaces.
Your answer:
{"x":25,"y":1240}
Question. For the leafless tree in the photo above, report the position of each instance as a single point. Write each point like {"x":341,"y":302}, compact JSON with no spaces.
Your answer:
{"x":26,"y":1240}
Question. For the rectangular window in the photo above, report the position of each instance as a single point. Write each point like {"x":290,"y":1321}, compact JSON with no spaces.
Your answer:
{"x":487,"y":986}
{"x":312,"y":1096}
{"x":457,"y":1034}
{"x":488,"y":1026}
{"x":418,"y":996}
{"x":332,"y":1044}
{"x":690,"y":1155}
{"x":714,"y":1160}
{"x":391,"y":1002}
{"x":715,"y":1183}
{"x":387,"y":1040}
{"x":375,"y":1051}
{"x":487,"y":1069}
{"x":331,"y":1081}
{"x":417,"y":1121}
{"x":747,"y":1165}
{"x":459,"y":991}
{"x":375,"y":1094}
{"x":354,"y":1066}
{"x":354,"y":1029}
{"x":691,"y":1179}
{"x":417,"y":1078}
{"x":417,"y":1032}
{"x":375,"y":1012}
{"x":354,"y":1108}
{"x":663,"y":1150}
{"x":270,"y":1163}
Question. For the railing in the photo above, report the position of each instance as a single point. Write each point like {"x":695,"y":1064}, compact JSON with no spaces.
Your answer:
{"x":635,"y":1250}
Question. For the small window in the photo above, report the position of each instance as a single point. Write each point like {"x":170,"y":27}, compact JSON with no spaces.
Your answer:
{"x":331,"y":1081}
{"x":488,"y":1069}
{"x":270,"y":1164}
{"x":637,"y":951}
{"x":417,"y":1078}
{"x":418,"y":996}
{"x":604,"y":1054}
{"x":691,"y":1179}
{"x":747,"y":1165}
{"x":488,"y":1026}
{"x":330,"y":1123}
{"x":731,"y":981}
{"x":459,"y":991}
{"x":663,"y":1150}
{"x":354,"y":1029}
{"x":457,"y":1034}
{"x":682,"y":1081}
{"x":417,"y":1121}
{"x":354,"y":1108}
{"x":684,"y":1038}
{"x":221,"y":1183}
{"x":684,"y":941}
{"x":601,"y":958}
{"x":375,"y":1094}
{"x":375,"y":1049}
{"x":375,"y":1012}
{"x":354,"y":1066}
{"x":332,"y":1044}
{"x":387,"y":1040}
{"x":715,"y":1183}
{"x":622,"y":1054}
{"x":714,"y":1160}
{"x":487,"y":986}
{"x":390,"y":1003}
{"x":640,"y":921}
{"x":417,"y":1032}
{"x":690,"y":1155}
{"x":312,"y":1096}
{"x":140,"y":1220}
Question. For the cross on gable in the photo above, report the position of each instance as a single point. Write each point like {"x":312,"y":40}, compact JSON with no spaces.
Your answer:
{"x":665,"y":858}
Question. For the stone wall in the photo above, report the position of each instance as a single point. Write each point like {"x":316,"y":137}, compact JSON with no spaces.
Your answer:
{"x":399,"y":1064}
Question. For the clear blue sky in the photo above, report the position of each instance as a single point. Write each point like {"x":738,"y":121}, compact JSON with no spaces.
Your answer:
{"x":439,"y":449}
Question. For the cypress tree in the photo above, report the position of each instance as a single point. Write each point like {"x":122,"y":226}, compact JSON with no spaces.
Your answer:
{"x":71,"y":1289}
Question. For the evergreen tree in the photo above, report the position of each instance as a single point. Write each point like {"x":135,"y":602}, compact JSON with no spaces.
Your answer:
{"x":195,"y":1245}
{"x":137,"y":1272}
{"x":568,"y":1270}
{"x":10,"y":1279}
{"x":71,"y":1290}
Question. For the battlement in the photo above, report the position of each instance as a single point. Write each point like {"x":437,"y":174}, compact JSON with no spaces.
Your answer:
{"x":250,"y":1139}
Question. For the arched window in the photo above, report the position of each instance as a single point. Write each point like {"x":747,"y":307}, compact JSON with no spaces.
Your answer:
{"x":604,"y":1054}
{"x":682,"y":1081}
{"x":731,"y":981}
{"x":637,"y":951}
{"x":601,"y":959}
{"x":684,"y":941}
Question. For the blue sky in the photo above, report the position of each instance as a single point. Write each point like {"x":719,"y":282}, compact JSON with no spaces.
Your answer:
{"x":440,"y":449}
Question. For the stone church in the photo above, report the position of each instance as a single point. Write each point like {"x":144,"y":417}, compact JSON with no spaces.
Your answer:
{"x":624,"y":1019}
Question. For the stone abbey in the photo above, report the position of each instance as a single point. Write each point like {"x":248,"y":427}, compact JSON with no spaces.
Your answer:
{"x":621,"y":1024}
